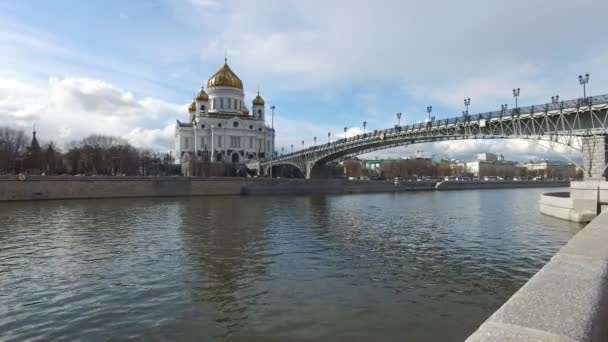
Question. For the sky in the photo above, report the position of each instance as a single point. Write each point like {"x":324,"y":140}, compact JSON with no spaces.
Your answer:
{"x":130,"y":68}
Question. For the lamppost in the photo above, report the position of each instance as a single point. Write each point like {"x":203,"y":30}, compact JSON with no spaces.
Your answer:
{"x":429,"y":109}
{"x":583,"y":80}
{"x":516,"y":95}
{"x":315,"y":140}
{"x":272,"y":137}
{"x":555,"y":99}
{"x":282,"y":150}
{"x":291,"y":148}
{"x":194,"y":126}
{"x":503,"y":108}
{"x":345,"y":128}
{"x":213,"y":147}
{"x":467,"y":103}
{"x":364,"y":125}
{"x":302,"y":144}
{"x":399,"y":119}
{"x":328,"y":138}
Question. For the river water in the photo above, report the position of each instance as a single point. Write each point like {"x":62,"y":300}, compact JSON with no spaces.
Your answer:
{"x":424,"y":266}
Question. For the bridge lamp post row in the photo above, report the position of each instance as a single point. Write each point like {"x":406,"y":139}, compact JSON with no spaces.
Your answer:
{"x":516,"y":95}
{"x":583,"y":80}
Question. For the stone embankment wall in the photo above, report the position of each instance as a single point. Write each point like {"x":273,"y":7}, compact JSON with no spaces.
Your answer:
{"x":567,"y":300}
{"x":453,"y":185}
{"x":40,"y":188}
{"x":330,"y":186}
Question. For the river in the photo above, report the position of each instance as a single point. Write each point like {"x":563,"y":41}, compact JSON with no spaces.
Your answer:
{"x":420,"y":266}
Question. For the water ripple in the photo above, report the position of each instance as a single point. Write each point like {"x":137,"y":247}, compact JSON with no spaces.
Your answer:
{"x":361,"y":267}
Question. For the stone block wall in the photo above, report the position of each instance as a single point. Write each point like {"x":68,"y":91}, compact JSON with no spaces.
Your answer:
{"x":595,"y":156}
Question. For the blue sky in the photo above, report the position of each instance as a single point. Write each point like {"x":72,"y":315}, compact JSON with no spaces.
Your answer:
{"x":130,"y":68}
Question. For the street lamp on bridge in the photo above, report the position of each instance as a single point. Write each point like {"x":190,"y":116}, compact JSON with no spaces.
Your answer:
{"x":399,"y":119}
{"x":555,"y":99}
{"x":467,"y":103}
{"x":429,"y":109}
{"x":345,"y":128}
{"x":516,"y":95}
{"x":291,"y":148}
{"x":583,"y":80}
{"x":302,"y":144}
{"x":315,"y":140}
{"x":364,"y":124}
{"x":328,"y":138}
{"x":503,"y":108}
{"x":282,"y":150}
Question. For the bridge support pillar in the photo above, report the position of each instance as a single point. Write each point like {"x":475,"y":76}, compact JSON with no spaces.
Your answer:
{"x":595,"y":157}
{"x":308,"y":170}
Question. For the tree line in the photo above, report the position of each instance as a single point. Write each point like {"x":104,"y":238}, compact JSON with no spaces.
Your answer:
{"x":93,"y":155}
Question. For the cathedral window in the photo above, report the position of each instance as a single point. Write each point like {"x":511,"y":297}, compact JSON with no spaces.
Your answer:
{"x":222,"y":103}
{"x":186,"y":143}
{"x":202,"y":108}
{"x":235,"y":124}
{"x":235,"y":106}
{"x":228,"y":103}
{"x":235,"y":142}
{"x":219,"y":141}
{"x":250,"y":142}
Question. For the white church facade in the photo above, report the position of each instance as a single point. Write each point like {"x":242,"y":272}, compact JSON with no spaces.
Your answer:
{"x":220,"y":127}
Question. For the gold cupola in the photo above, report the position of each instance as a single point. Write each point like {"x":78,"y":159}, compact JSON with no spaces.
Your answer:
{"x":202,"y":96}
{"x":192,"y":107}
{"x":225,"y":77}
{"x":258,"y":101}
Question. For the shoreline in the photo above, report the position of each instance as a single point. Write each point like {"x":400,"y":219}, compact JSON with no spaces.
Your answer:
{"x":92,"y":187}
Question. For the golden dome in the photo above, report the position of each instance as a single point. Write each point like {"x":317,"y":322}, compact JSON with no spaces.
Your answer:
{"x":245,"y":111}
{"x":192,"y":107}
{"x":202,"y":96}
{"x":225,"y":77}
{"x":258,"y":101}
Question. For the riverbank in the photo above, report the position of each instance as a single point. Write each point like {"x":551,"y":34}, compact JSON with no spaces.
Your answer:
{"x":566,"y":300}
{"x":47,"y":188}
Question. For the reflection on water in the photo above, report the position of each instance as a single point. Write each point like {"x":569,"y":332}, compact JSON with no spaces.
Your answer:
{"x":409,"y":266}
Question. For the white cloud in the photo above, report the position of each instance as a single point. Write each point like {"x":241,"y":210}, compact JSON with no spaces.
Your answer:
{"x":71,"y":108}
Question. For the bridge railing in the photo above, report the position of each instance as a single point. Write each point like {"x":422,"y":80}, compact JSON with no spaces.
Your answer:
{"x":580,"y":102}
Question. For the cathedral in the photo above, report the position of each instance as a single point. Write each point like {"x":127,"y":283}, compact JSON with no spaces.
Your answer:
{"x":221,"y":128}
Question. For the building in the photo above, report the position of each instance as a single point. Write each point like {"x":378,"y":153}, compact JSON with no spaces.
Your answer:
{"x":492,"y":165}
{"x":550,"y":169}
{"x":220,"y":127}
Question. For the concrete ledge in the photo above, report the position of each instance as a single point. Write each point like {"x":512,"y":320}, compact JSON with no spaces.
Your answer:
{"x":560,"y":205}
{"x":455,"y":185}
{"x":567,"y":300}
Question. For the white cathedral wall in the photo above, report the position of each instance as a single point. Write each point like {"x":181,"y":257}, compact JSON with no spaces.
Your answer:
{"x":226,"y":95}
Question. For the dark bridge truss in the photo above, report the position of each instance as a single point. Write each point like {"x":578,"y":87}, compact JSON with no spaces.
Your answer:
{"x":566,"y":123}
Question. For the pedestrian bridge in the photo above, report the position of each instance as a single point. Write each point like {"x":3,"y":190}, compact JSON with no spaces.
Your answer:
{"x":581,"y":124}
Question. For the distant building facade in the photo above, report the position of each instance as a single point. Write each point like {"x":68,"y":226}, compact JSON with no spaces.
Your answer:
{"x":492,"y":165}
{"x":550,"y":169}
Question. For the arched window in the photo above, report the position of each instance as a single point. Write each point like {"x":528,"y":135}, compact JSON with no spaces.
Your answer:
{"x":222,"y":103}
{"x":202,"y":108}
{"x":259,"y":112}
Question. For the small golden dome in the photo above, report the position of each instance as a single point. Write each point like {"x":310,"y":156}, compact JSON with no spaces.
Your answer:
{"x":225,"y":77}
{"x":192,"y":107}
{"x":258,"y":101}
{"x":245,"y":111}
{"x":202,"y":96}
